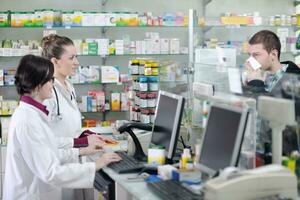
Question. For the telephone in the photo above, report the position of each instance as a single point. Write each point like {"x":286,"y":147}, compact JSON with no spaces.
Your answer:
{"x":252,"y":184}
{"x":139,"y":153}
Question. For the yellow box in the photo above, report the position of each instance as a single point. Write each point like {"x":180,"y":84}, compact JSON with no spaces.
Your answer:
{"x":235,"y":20}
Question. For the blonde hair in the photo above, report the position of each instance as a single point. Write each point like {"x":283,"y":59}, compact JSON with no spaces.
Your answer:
{"x":53,"y":46}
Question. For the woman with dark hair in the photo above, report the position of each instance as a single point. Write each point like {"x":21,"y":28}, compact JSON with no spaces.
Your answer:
{"x":34,"y":168}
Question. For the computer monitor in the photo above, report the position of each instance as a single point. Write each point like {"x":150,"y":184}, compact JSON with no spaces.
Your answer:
{"x":167,"y":122}
{"x":222,"y":139}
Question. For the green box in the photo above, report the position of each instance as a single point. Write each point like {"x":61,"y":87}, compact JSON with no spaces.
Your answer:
{"x":93,"y":48}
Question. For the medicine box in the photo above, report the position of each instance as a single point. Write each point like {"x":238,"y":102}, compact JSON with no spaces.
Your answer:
{"x":115,"y":101}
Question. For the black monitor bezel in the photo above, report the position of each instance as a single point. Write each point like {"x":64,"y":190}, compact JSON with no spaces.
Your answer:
{"x":177,"y":121}
{"x":238,"y":142}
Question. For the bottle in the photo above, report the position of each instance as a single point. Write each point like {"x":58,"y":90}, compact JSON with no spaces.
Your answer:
{"x":186,"y":155}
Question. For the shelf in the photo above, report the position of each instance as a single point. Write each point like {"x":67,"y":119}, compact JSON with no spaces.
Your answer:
{"x":121,"y":83}
{"x":172,"y":82}
{"x":244,"y":26}
{"x":76,"y":27}
{"x":107,"y":56}
{"x":120,"y":111}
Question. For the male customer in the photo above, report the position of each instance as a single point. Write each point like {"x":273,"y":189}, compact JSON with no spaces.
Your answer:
{"x":265,"y":47}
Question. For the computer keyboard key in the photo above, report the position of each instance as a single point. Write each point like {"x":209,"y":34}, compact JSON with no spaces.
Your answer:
{"x":127,"y":165}
{"x":173,"y":190}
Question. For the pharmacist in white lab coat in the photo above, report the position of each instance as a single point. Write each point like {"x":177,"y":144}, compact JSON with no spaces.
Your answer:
{"x":34,"y":169}
{"x":64,"y":112}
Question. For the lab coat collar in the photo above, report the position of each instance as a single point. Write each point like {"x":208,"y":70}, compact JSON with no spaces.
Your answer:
{"x":34,"y":103}
{"x":66,"y":93}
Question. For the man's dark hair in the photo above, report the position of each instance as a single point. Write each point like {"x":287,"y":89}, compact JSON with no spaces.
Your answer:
{"x":33,"y":71}
{"x":268,"y":39}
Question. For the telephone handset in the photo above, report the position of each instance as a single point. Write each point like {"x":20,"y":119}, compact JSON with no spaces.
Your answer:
{"x":252,"y":184}
{"x":139,"y":153}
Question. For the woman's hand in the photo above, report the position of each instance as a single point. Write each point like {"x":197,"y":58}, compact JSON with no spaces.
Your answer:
{"x":106,"y":159}
{"x":91,"y":149}
{"x":95,"y":139}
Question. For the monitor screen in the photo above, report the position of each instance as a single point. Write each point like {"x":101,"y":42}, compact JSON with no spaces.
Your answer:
{"x":167,"y":121}
{"x":222,"y":139}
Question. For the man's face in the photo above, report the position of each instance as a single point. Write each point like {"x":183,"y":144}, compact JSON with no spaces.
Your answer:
{"x":261,"y":55}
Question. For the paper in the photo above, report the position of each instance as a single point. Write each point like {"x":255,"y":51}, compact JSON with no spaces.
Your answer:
{"x":234,"y":79}
{"x":254,"y":63}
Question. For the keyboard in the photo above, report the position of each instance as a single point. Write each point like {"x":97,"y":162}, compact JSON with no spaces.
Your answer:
{"x":173,"y":190}
{"x":127,"y":165}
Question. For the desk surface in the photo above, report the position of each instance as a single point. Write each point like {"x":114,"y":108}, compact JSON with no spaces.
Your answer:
{"x":137,"y":189}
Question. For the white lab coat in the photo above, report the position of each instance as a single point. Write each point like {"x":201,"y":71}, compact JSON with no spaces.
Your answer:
{"x":33,"y":167}
{"x":68,"y":125}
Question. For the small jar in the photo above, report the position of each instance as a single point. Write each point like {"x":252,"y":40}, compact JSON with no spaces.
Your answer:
{"x":277,"y":20}
{"x":152,"y":99}
{"x":145,"y":116}
{"x":148,"y":70}
{"x":143,"y":84}
{"x":143,"y":100}
{"x":138,"y":114}
{"x":137,"y":99}
{"x":298,"y":19}
{"x":272,"y":21}
{"x":294,"y":20}
{"x":134,"y":67}
{"x":153,"y":84}
{"x":142,"y":67}
{"x":133,"y":114}
{"x":152,"y":115}
{"x":283,"y":20}
{"x":135,"y":83}
{"x":154,"y":69}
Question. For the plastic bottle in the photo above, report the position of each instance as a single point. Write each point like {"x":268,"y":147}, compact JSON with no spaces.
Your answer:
{"x":186,"y":155}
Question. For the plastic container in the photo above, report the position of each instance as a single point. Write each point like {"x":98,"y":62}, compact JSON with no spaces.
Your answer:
{"x":57,"y":18}
{"x":154,"y":69}
{"x":4,"y":19}
{"x":143,"y":84}
{"x":152,"y":99}
{"x":145,"y":116}
{"x":148,"y":70}
{"x":17,"y":19}
{"x":143,"y":100}
{"x":77,"y":18}
{"x":67,"y":18}
{"x":29,"y":19}
{"x":48,"y":18}
{"x":38,"y":18}
{"x":153,"y":84}
{"x":142,"y":67}
{"x":134,"y":67}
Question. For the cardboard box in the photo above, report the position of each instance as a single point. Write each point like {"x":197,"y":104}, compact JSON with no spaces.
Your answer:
{"x":115,"y":101}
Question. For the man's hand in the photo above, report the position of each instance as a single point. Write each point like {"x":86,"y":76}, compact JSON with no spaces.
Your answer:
{"x":253,"y":74}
